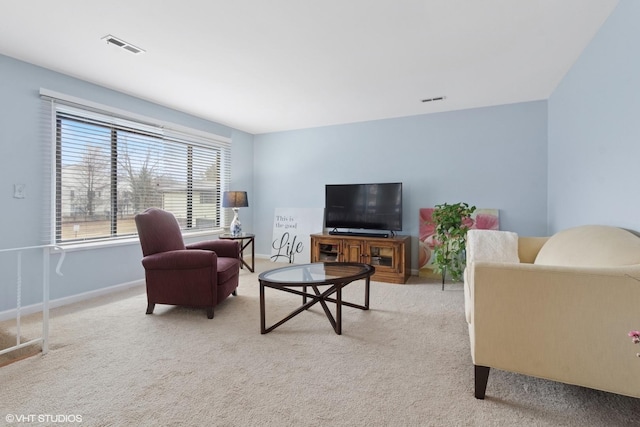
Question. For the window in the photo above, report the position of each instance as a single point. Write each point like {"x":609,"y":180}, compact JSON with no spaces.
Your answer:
{"x":108,"y":168}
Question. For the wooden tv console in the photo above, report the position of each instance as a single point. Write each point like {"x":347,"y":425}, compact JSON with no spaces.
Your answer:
{"x":391,"y":256}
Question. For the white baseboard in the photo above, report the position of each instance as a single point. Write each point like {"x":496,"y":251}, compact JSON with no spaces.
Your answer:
{"x":37,"y":308}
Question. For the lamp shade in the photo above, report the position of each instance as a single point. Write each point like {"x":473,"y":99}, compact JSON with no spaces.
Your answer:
{"x":235,"y":199}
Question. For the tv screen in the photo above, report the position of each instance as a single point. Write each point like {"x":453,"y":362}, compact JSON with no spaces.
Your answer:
{"x":364,"y":206}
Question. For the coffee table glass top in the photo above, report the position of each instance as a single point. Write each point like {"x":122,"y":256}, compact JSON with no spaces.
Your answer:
{"x":317,"y":272}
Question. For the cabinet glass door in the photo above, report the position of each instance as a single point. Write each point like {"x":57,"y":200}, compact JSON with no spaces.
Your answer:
{"x":328,"y":251}
{"x":384,"y":256}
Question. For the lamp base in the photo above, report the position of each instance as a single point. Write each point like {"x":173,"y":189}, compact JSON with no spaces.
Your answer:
{"x":236,"y":225}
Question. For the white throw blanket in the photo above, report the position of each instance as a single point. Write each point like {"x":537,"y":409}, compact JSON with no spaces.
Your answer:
{"x":492,"y":245}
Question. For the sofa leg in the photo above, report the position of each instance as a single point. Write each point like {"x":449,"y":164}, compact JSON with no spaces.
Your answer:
{"x":481,"y":378}
{"x":210,"y":312}
{"x":235,"y":292}
{"x":150,"y":307}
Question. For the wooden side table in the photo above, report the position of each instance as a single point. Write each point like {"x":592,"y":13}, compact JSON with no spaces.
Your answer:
{"x":250,"y":240}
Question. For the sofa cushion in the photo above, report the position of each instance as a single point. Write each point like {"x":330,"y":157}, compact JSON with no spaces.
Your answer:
{"x":591,"y":246}
{"x":492,"y":245}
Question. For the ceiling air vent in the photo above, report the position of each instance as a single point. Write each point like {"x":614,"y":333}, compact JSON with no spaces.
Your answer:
{"x":123,"y":44}
{"x":437,"y":98}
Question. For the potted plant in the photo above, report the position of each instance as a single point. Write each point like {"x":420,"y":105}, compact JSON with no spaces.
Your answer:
{"x":451,"y":225}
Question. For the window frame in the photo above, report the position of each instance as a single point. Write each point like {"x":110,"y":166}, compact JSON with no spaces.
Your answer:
{"x":59,"y":108}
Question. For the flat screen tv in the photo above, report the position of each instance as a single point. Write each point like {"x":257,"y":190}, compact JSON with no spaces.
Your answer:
{"x":364,"y":206}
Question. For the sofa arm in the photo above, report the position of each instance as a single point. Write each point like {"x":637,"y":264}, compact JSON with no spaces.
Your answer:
{"x":180,"y":260}
{"x":566,"y":324}
{"x":224,"y":248}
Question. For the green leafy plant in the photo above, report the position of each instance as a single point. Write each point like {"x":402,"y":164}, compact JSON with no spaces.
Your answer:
{"x":451,"y":225}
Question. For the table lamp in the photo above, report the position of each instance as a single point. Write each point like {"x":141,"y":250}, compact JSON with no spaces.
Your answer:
{"x":235,"y":200}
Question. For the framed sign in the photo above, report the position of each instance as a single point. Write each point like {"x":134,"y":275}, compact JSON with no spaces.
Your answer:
{"x":291,"y":229}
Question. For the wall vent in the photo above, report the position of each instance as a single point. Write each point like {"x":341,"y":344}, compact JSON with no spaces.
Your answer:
{"x":122,"y":44}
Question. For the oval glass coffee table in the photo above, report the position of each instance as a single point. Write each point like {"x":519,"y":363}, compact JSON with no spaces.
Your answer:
{"x":331,"y":277}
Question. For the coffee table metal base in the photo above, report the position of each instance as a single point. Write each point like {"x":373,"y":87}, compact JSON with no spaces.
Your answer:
{"x":318,"y":296}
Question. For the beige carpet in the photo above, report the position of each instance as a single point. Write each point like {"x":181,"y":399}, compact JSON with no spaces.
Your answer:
{"x":405,"y":362}
{"x":8,"y":339}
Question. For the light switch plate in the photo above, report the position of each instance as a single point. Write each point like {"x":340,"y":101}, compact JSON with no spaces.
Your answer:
{"x":19,"y":191}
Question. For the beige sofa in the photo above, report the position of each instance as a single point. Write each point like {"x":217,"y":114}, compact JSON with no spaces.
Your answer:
{"x":558,"y":308}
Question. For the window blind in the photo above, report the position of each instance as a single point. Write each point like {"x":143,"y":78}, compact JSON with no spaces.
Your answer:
{"x":107,"y":166}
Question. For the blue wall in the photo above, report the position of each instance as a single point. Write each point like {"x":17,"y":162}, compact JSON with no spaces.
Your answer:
{"x":489,"y":157}
{"x":594,"y":130}
{"x":21,"y":161}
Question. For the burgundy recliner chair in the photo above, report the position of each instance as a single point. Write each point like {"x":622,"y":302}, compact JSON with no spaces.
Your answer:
{"x":201,"y":274}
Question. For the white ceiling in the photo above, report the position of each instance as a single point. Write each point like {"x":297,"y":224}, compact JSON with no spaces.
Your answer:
{"x":272,"y":65}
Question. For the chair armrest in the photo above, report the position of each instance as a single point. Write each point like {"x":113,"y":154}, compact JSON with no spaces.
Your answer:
{"x":567,"y":324}
{"x":180,"y":260}
{"x":224,"y":248}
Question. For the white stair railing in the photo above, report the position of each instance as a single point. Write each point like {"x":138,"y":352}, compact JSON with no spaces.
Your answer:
{"x":47,"y":250}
